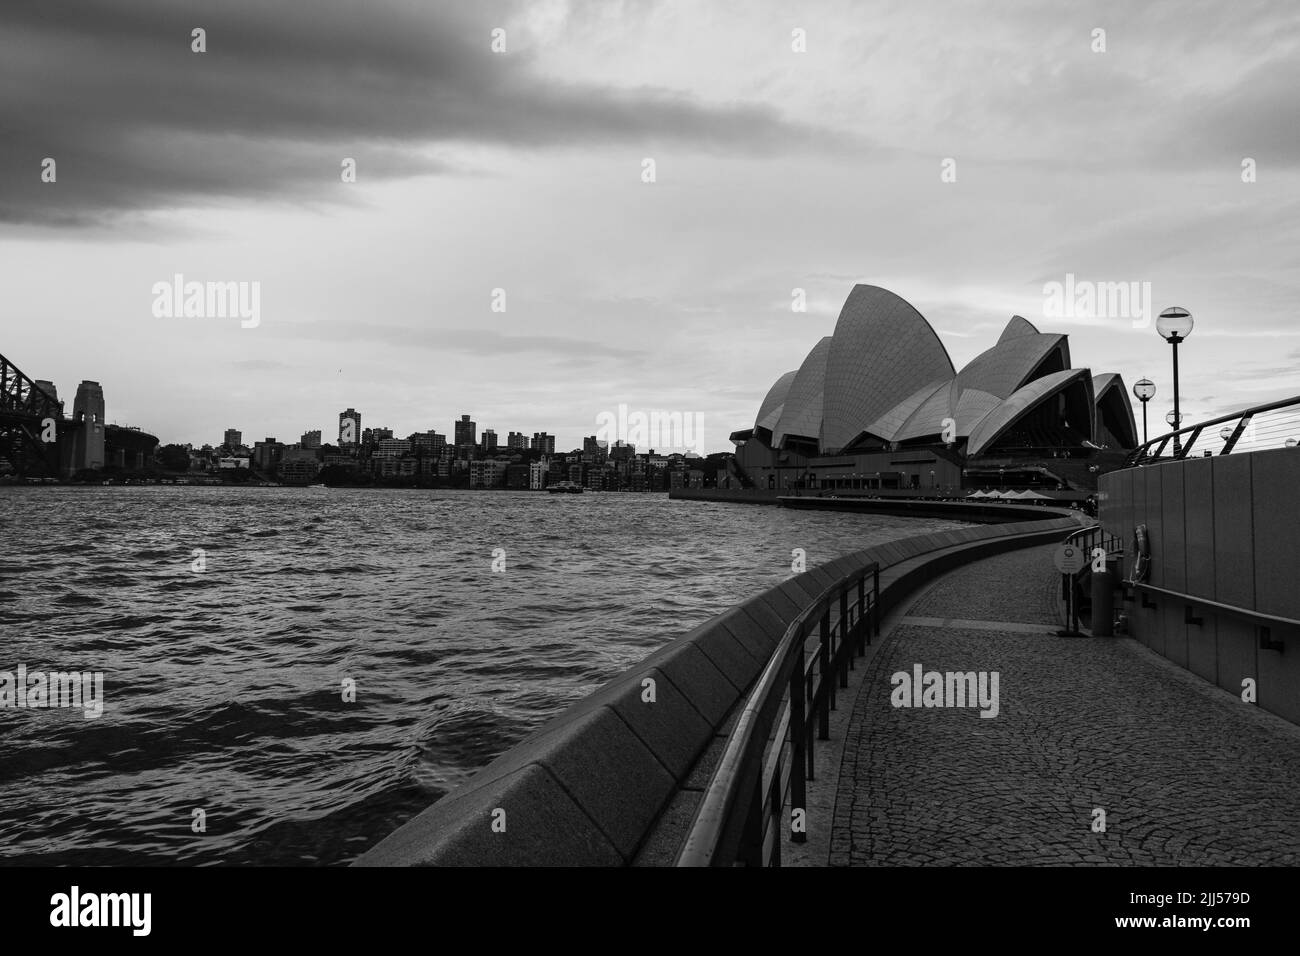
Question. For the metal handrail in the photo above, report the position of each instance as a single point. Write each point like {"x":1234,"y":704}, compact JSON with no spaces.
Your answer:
{"x":1142,"y":454}
{"x":1235,"y":610}
{"x":747,"y":791}
{"x":1087,"y":540}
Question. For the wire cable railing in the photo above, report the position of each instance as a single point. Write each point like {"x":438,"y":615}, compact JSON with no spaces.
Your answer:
{"x":1274,"y":425}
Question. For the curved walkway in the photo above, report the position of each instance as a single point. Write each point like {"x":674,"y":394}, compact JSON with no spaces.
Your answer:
{"x":1185,"y":773}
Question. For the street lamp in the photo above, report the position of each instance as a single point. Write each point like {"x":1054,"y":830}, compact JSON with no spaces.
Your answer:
{"x":1144,"y":390}
{"x":1002,"y":479}
{"x":1174,"y":325}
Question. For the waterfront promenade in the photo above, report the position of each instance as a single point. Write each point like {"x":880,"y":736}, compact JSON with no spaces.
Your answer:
{"x":1186,"y":773}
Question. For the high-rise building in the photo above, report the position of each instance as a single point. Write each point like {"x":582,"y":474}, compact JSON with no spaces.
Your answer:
{"x":466,"y":431}
{"x":234,"y":438}
{"x":309,"y":439}
{"x":517,"y":441}
{"x":349,"y":427}
{"x":489,"y":441}
{"x":544,"y":443}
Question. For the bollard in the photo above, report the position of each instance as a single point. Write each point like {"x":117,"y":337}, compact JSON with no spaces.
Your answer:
{"x":1103,"y":602}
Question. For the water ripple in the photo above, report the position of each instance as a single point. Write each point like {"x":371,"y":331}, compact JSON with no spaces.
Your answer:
{"x":225,"y":689}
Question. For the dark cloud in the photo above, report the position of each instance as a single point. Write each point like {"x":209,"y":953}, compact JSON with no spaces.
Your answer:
{"x":136,"y":121}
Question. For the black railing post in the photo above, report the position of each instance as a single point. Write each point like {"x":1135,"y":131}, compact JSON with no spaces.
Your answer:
{"x":825,"y":686}
{"x":777,"y":807}
{"x":846,"y":640}
{"x":801,"y":766}
{"x":751,"y":840}
{"x":864,"y":622}
{"x":875,"y":598}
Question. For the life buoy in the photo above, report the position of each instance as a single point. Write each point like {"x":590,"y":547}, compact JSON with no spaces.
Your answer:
{"x":1141,"y":555}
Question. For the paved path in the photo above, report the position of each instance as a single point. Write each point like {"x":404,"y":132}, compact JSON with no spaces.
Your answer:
{"x":1186,"y":773}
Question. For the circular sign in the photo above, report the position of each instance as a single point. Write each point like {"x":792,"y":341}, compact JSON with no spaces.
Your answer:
{"x":1070,"y":559}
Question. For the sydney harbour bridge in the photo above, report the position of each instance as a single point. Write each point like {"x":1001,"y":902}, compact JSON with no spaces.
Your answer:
{"x":38,"y":441}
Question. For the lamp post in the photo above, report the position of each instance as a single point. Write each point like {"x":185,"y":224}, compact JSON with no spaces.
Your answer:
{"x":1144,"y":390}
{"x":1002,"y":479}
{"x":932,"y":482}
{"x":1174,"y":325}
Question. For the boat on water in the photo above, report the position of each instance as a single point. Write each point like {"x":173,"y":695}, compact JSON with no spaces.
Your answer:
{"x":565,"y":487}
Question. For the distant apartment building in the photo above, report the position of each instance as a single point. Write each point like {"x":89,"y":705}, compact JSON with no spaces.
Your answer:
{"x":543,"y":443}
{"x":267,"y":454}
{"x":488,"y":473}
{"x":537,"y":474}
{"x":517,"y":441}
{"x":389,"y":466}
{"x":299,"y":464}
{"x":311,"y":439}
{"x":349,"y":427}
{"x":228,"y":462}
{"x":518,"y":476}
{"x":430,"y":443}
{"x":489,"y":441}
{"x":234,"y":438}
{"x":392,"y":447}
{"x":340,"y":460}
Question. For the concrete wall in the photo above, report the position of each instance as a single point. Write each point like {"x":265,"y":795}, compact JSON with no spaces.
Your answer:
{"x":589,"y":786}
{"x":1224,"y":529}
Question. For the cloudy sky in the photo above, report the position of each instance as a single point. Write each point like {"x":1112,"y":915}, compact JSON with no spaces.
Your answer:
{"x":774,"y":170}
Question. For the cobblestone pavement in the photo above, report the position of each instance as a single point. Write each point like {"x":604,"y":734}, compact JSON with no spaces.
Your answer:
{"x":1186,"y":774}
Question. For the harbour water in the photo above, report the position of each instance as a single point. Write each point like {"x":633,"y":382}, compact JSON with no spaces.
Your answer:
{"x":228,"y":624}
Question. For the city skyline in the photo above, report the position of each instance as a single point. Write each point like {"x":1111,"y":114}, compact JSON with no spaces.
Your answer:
{"x":522,"y":172}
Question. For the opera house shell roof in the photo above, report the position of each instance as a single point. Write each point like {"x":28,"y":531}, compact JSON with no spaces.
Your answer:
{"x":883,"y":378}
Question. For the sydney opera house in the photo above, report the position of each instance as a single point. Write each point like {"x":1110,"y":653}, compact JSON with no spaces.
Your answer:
{"x":878,"y":405}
